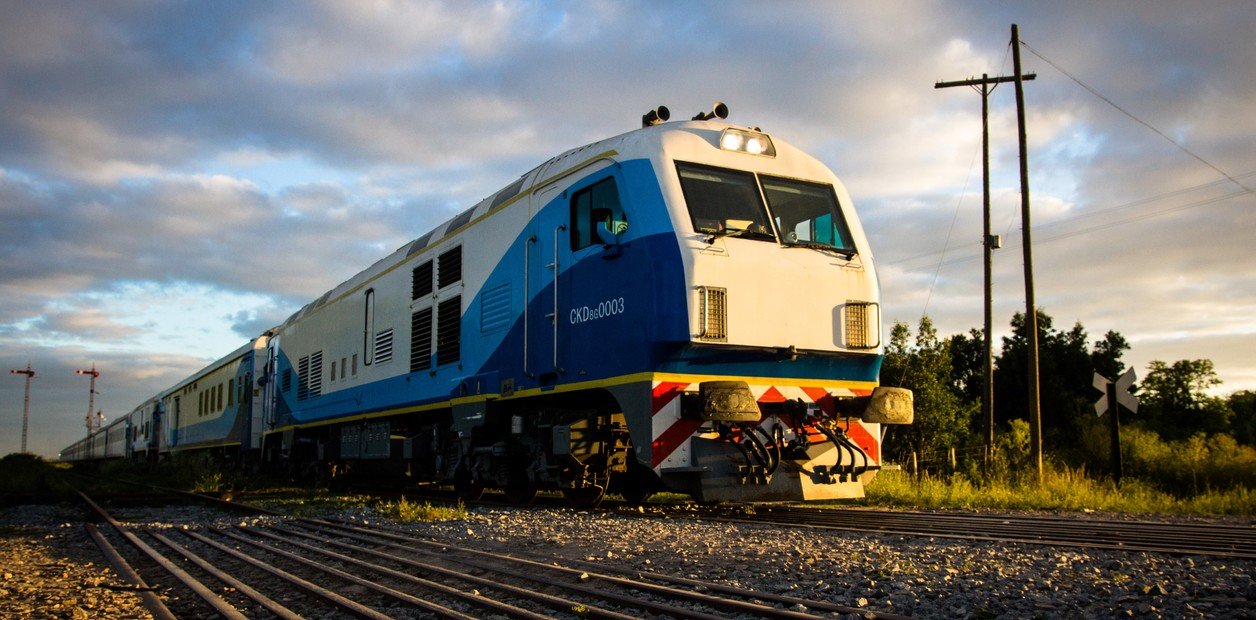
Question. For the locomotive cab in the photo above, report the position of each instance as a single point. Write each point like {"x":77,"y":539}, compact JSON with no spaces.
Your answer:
{"x":778,"y":373}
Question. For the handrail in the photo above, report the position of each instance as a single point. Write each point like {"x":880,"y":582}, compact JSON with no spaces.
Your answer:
{"x":527,"y":263}
{"x":554,"y":315}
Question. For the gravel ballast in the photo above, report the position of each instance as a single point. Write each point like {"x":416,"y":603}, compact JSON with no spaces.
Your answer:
{"x":50,"y":568}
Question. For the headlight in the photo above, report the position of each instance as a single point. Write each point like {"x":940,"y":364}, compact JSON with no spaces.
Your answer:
{"x":747,"y":141}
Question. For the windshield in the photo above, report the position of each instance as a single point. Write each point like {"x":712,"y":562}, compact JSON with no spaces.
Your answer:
{"x":807,"y":213}
{"x":724,"y":201}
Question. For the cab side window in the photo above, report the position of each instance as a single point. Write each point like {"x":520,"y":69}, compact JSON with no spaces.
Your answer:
{"x":598,"y":203}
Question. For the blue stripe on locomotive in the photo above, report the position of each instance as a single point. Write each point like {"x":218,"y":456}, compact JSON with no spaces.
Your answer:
{"x":636,"y":318}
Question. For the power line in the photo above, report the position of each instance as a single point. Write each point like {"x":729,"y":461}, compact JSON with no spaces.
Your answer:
{"x":1135,"y":118}
{"x":1013,"y":241}
{"x":946,"y":245}
{"x":1107,"y":210}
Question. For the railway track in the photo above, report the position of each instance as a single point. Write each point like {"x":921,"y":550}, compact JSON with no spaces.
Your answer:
{"x":299,"y":567}
{"x":1180,"y":538}
{"x":1214,"y":539}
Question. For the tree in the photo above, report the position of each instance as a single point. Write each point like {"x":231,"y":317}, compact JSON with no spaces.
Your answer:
{"x":1176,"y":401}
{"x":1106,"y":355}
{"x":1243,"y":425}
{"x":924,"y":366}
{"x":968,"y":353}
{"x":1065,"y":376}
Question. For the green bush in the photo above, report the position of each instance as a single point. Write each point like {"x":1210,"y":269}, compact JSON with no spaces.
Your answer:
{"x":1182,"y":467}
{"x":23,"y":476}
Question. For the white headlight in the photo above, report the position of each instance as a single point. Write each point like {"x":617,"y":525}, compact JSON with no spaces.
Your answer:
{"x":747,"y":141}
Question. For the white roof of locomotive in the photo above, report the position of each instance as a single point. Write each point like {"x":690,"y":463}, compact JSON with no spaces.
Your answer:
{"x":644,"y":142}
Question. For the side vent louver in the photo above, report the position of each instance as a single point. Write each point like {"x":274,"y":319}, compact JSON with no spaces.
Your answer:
{"x":449,"y":267}
{"x":303,"y":371}
{"x":421,"y":281}
{"x":316,"y":374}
{"x":384,"y":346}
{"x":713,"y":317}
{"x":421,"y":340}
{"x":309,"y":376}
{"x":449,"y":331}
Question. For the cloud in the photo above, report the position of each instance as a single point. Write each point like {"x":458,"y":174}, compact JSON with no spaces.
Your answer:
{"x":244,"y":158}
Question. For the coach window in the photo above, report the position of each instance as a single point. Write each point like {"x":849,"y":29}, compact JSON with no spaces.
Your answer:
{"x":368,"y":328}
{"x":594,"y":205}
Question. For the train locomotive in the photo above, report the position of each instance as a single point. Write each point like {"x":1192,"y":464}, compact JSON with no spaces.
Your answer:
{"x":690,"y":306}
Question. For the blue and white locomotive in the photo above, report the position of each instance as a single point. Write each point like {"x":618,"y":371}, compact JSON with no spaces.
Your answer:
{"x":689,"y":306}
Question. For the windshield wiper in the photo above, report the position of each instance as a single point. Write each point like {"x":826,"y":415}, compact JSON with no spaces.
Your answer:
{"x":712,"y":235}
{"x":824,"y":247}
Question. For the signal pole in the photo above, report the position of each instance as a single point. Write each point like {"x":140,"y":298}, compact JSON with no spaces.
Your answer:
{"x":1031,"y":311}
{"x":91,"y":397}
{"x":26,"y":403}
{"x":989,"y":243}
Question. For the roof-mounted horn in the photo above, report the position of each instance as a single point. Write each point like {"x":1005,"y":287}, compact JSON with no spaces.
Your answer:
{"x":655,"y":116}
{"x":719,"y":110}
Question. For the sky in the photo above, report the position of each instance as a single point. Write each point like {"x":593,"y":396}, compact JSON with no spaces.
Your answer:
{"x":176,"y":177}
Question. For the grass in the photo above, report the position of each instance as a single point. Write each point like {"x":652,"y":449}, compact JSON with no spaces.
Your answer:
{"x":1061,"y":490}
{"x":409,"y":512}
{"x":316,"y":503}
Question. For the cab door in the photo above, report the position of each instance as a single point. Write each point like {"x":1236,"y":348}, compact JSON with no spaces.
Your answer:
{"x":597,"y":278}
{"x":545,"y":260}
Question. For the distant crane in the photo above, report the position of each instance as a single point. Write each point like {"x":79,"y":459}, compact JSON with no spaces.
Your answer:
{"x":26,"y":404}
{"x":93,"y":424}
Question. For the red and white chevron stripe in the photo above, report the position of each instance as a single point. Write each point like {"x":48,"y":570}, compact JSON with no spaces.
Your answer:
{"x":671,"y":432}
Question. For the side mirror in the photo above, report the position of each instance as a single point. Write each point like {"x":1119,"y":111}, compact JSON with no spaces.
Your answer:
{"x":609,"y":234}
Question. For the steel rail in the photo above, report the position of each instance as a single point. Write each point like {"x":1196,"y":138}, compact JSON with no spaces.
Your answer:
{"x":426,"y":605}
{"x":767,"y":596}
{"x":553,"y":602}
{"x":152,"y":602}
{"x":352,"y":607}
{"x":737,"y":606}
{"x":1204,"y":539}
{"x":468,"y":597}
{"x":219,"y":604}
{"x":1213,"y":537}
{"x":631,"y":602}
{"x":243,"y":588}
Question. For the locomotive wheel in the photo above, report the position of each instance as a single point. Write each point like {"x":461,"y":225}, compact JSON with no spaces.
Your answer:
{"x":521,"y":493}
{"x":635,"y":495}
{"x":468,"y":489}
{"x":637,"y":485}
{"x":519,"y":488}
{"x":584,"y":498}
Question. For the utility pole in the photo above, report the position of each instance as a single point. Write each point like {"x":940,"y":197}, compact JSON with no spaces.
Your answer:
{"x":26,"y":403}
{"x":91,"y":398}
{"x":989,"y":243}
{"x":1031,"y":310}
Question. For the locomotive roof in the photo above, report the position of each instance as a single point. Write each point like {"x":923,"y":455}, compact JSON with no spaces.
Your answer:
{"x":635,"y":143}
